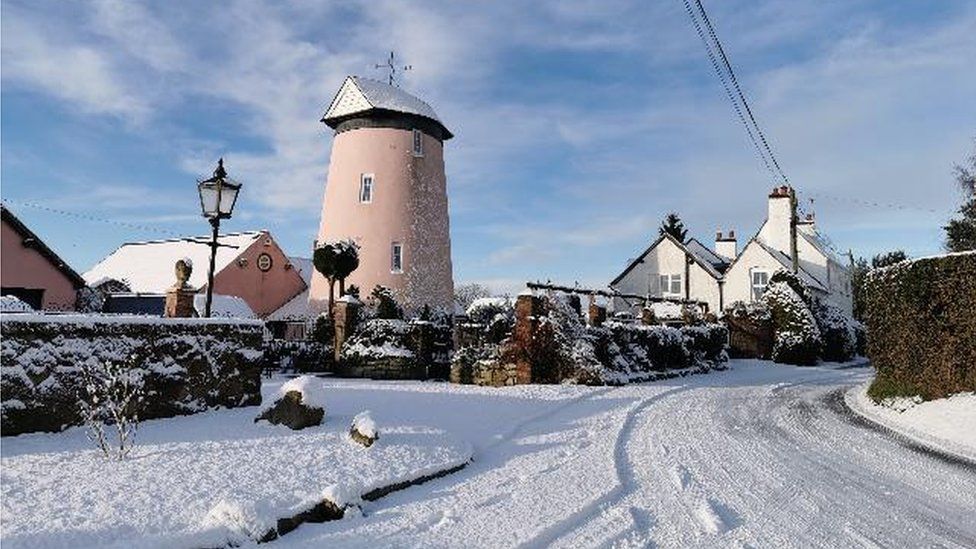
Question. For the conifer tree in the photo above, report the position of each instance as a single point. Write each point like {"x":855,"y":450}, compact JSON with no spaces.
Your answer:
{"x":673,"y":226}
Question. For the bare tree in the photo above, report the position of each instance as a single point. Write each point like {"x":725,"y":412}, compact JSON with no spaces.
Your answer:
{"x":112,"y":395}
{"x":465,"y":294}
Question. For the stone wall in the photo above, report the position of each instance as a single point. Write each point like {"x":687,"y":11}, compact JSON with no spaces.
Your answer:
{"x":186,"y":365}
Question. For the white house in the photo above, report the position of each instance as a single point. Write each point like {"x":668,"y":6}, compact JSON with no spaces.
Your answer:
{"x":720,"y":277}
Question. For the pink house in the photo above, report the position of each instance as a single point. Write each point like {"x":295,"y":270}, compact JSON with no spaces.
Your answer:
{"x":249,"y":265}
{"x":31,"y":271}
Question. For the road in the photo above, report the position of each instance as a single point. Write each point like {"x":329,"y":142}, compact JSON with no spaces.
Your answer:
{"x":759,"y":456}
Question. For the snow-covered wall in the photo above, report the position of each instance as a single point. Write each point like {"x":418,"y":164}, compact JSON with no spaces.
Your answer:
{"x":186,"y":365}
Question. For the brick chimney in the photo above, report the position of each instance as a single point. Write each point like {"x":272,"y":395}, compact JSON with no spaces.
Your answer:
{"x":726,"y":245}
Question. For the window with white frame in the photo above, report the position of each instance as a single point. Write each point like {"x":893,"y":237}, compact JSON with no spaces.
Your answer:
{"x":366,"y":188}
{"x":396,"y":258}
{"x":670,"y":285}
{"x":760,"y":278}
{"x":418,"y":143}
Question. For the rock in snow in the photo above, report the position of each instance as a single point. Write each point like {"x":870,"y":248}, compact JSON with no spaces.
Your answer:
{"x":363,"y":429}
{"x":300,"y":403}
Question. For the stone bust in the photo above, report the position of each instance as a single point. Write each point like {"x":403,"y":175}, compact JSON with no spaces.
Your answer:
{"x":184,"y":267}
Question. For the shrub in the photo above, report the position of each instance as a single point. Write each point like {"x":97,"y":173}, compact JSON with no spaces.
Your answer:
{"x":112,"y":395}
{"x":385,"y":304}
{"x":921,"y":325}
{"x":796,"y":335}
{"x":837,"y":330}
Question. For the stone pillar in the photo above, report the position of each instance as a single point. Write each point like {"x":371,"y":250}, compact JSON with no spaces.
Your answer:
{"x":647,"y":317}
{"x":179,"y":303}
{"x":346,"y":313}
{"x":597,"y":314}
{"x":528,"y":309}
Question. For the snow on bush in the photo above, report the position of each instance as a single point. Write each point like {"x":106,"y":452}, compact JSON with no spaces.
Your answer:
{"x":485,"y":309}
{"x":379,"y":338}
{"x":113,"y":395}
{"x":186,"y":365}
{"x":838,"y":331}
{"x":797,"y":337}
{"x":920,"y":316}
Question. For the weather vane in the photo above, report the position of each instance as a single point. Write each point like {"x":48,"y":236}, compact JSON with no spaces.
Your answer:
{"x":391,"y":66}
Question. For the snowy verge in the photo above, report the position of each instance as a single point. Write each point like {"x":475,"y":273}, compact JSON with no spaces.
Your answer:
{"x":945,"y":424}
{"x":210,"y":480}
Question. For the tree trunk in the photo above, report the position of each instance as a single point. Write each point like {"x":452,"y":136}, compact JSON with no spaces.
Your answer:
{"x":331,"y":296}
{"x":342,"y":287}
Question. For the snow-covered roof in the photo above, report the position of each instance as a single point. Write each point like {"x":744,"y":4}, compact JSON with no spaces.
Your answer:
{"x":225,"y":306}
{"x":148,"y":267}
{"x":304,"y":267}
{"x":13,"y":304}
{"x":295,"y":308}
{"x":359,"y":95}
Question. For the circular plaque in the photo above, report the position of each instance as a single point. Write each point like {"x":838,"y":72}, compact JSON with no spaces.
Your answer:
{"x":265,"y":262}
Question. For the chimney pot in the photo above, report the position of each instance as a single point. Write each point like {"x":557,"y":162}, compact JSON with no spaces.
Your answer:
{"x":731,"y":234}
{"x":718,"y":235}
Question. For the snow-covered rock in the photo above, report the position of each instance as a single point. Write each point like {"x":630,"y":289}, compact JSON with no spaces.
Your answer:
{"x":363,"y":429}
{"x":299,"y":403}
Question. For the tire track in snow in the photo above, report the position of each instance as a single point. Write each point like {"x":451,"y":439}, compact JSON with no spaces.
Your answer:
{"x":626,"y":481}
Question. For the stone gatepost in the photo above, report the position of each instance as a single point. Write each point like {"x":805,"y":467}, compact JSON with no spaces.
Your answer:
{"x":647,"y":317}
{"x":179,"y":296}
{"x":529,"y":308}
{"x":346,"y":313}
{"x":597,"y":314}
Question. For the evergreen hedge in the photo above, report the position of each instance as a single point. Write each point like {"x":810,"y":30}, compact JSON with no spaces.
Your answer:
{"x":921,"y":320}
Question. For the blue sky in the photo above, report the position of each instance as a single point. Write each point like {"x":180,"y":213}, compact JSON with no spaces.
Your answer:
{"x":579,"y":124}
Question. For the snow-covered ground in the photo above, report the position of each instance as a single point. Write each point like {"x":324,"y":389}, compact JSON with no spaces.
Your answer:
{"x":947,"y":424}
{"x":760,"y":455}
{"x":202,"y":480}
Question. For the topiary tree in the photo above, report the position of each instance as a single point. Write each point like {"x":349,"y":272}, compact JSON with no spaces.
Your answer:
{"x":673,"y":226}
{"x":346,"y":261}
{"x":325,"y":261}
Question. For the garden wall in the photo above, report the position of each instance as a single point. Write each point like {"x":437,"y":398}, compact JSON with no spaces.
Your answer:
{"x":187,"y":365}
{"x":921,"y":319}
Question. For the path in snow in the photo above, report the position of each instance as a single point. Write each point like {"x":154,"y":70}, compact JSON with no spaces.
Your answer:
{"x":759,"y":455}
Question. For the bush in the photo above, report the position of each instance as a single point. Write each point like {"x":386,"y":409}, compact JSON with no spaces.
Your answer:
{"x":797,"y":339}
{"x":385,"y":304}
{"x":186,"y":365}
{"x":838,"y":332}
{"x":922,"y":326}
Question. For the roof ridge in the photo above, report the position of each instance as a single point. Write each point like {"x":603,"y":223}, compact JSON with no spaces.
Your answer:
{"x":205,"y":238}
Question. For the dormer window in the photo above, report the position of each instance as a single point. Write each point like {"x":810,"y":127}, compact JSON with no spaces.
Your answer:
{"x":418,"y":143}
{"x":366,"y":188}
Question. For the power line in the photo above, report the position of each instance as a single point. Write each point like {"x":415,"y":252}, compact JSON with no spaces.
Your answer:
{"x":738,"y":89}
{"x":868,"y":203}
{"x":728,"y":92}
{"x":89,"y":217}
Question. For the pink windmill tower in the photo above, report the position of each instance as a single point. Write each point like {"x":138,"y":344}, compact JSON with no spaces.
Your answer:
{"x":386,"y":190}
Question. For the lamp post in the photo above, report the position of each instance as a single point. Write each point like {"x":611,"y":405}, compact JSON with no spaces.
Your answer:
{"x":217,"y":198}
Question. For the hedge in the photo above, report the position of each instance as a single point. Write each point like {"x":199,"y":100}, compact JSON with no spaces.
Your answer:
{"x":921,"y":325}
{"x":187,"y":365}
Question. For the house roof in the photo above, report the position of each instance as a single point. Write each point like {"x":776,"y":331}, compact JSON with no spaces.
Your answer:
{"x":296,"y":308}
{"x":706,"y":254}
{"x":699,"y":258}
{"x":786,"y":262}
{"x":30,"y":239}
{"x":359,"y":95}
{"x":147,"y":267}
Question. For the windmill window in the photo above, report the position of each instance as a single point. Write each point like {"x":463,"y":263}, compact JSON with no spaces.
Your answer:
{"x":418,"y":143}
{"x":366,"y":188}
{"x":396,"y":258}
